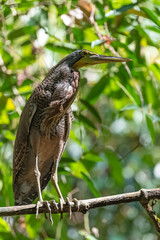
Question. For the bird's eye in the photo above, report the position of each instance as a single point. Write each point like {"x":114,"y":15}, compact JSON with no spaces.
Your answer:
{"x":84,"y":53}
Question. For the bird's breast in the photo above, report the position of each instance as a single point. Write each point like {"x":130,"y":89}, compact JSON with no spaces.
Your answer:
{"x":45,"y":148}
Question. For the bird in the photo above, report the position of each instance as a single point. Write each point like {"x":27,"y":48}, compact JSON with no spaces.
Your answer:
{"x":45,"y":124}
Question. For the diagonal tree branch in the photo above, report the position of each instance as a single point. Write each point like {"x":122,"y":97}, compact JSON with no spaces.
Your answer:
{"x":151,"y":213}
{"x":143,"y":196}
{"x":149,"y":209}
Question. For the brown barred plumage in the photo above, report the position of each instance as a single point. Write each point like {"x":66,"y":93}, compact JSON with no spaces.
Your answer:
{"x":45,"y":124}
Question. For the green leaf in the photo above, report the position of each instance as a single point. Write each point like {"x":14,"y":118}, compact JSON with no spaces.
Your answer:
{"x":61,"y":48}
{"x":97,"y":42}
{"x":5,"y":56}
{"x":87,"y":235}
{"x":155,"y":69}
{"x":4,"y":118}
{"x":24,"y":62}
{"x":115,"y":167}
{"x":4,"y":225}
{"x":3,"y":101}
{"x":130,"y":92}
{"x":91,"y":185}
{"x":66,"y":160}
{"x":96,"y":91}
{"x":152,"y":15}
{"x":91,"y":157}
{"x":120,"y":10}
{"x":28,"y":30}
{"x":64,"y":170}
{"x":135,"y":96}
{"x":91,"y":109}
{"x":153,"y":28}
{"x":8,"y":135}
{"x":24,"y":6}
{"x":145,"y":35}
{"x":150,"y":127}
{"x":155,"y":118}
{"x":129,"y":107}
{"x":85,"y":120}
{"x":77,"y":169}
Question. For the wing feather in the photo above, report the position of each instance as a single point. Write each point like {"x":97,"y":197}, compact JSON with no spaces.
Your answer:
{"x":20,"y":148}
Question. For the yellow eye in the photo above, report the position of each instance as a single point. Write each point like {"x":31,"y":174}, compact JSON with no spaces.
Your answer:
{"x":86,"y":52}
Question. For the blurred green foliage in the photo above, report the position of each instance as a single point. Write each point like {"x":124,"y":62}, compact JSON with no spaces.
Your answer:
{"x":114,"y":142}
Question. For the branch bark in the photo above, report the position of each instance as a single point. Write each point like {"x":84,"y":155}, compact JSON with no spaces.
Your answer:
{"x":143,"y":196}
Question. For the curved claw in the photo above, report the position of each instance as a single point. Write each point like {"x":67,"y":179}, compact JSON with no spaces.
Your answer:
{"x":69,"y":206}
{"x":47,"y":204}
{"x":76,"y":202}
{"x":55,"y":205}
{"x":50,"y":212}
{"x":38,"y":205}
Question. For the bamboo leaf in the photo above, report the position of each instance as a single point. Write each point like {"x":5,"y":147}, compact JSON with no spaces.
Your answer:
{"x":28,"y":30}
{"x":115,"y":167}
{"x":91,"y":157}
{"x":152,"y":15}
{"x":155,"y":69}
{"x":85,"y":120}
{"x":91,"y":109}
{"x":91,"y":185}
{"x":120,"y":10}
{"x":97,"y":89}
{"x":150,"y":127}
{"x":129,"y":107}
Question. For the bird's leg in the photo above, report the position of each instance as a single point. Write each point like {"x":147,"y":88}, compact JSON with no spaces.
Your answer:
{"x":55,"y":181}
{"x":61,"y":199}
{"x":55,"y":184}
{"x":38,"y":175}
{"x":40,"y":201}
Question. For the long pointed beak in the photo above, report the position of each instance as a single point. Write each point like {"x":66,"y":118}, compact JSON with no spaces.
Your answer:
{"x":98,"y":59}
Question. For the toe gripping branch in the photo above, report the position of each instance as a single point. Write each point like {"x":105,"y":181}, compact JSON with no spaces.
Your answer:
{"x":47,"y":205}
{"x":68,"y":206}
{"x":61,"y":207}
{"x":74,"y":203}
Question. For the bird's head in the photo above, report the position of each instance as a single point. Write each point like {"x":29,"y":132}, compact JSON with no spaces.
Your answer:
{"x":81,"y":58}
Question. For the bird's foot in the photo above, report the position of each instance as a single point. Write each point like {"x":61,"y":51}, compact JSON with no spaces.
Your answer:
{"x":54,"y":205}
{"x":49,"y":210}
{"x":47,"y":205}
{"x":68,"y":202}
{"x":76,"y":203}
{"x":38,"y":205}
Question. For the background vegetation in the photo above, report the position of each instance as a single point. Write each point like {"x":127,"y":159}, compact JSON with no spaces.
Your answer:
{"x":114,"y":142}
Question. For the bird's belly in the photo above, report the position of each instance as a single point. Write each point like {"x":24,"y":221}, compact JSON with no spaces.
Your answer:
{"x":47,"y":149}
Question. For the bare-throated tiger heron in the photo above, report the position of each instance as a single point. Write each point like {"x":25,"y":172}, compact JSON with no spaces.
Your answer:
{"x":45,"y":125}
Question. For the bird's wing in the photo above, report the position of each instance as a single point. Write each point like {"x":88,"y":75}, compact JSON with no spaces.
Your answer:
{"x":21,"y":146}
